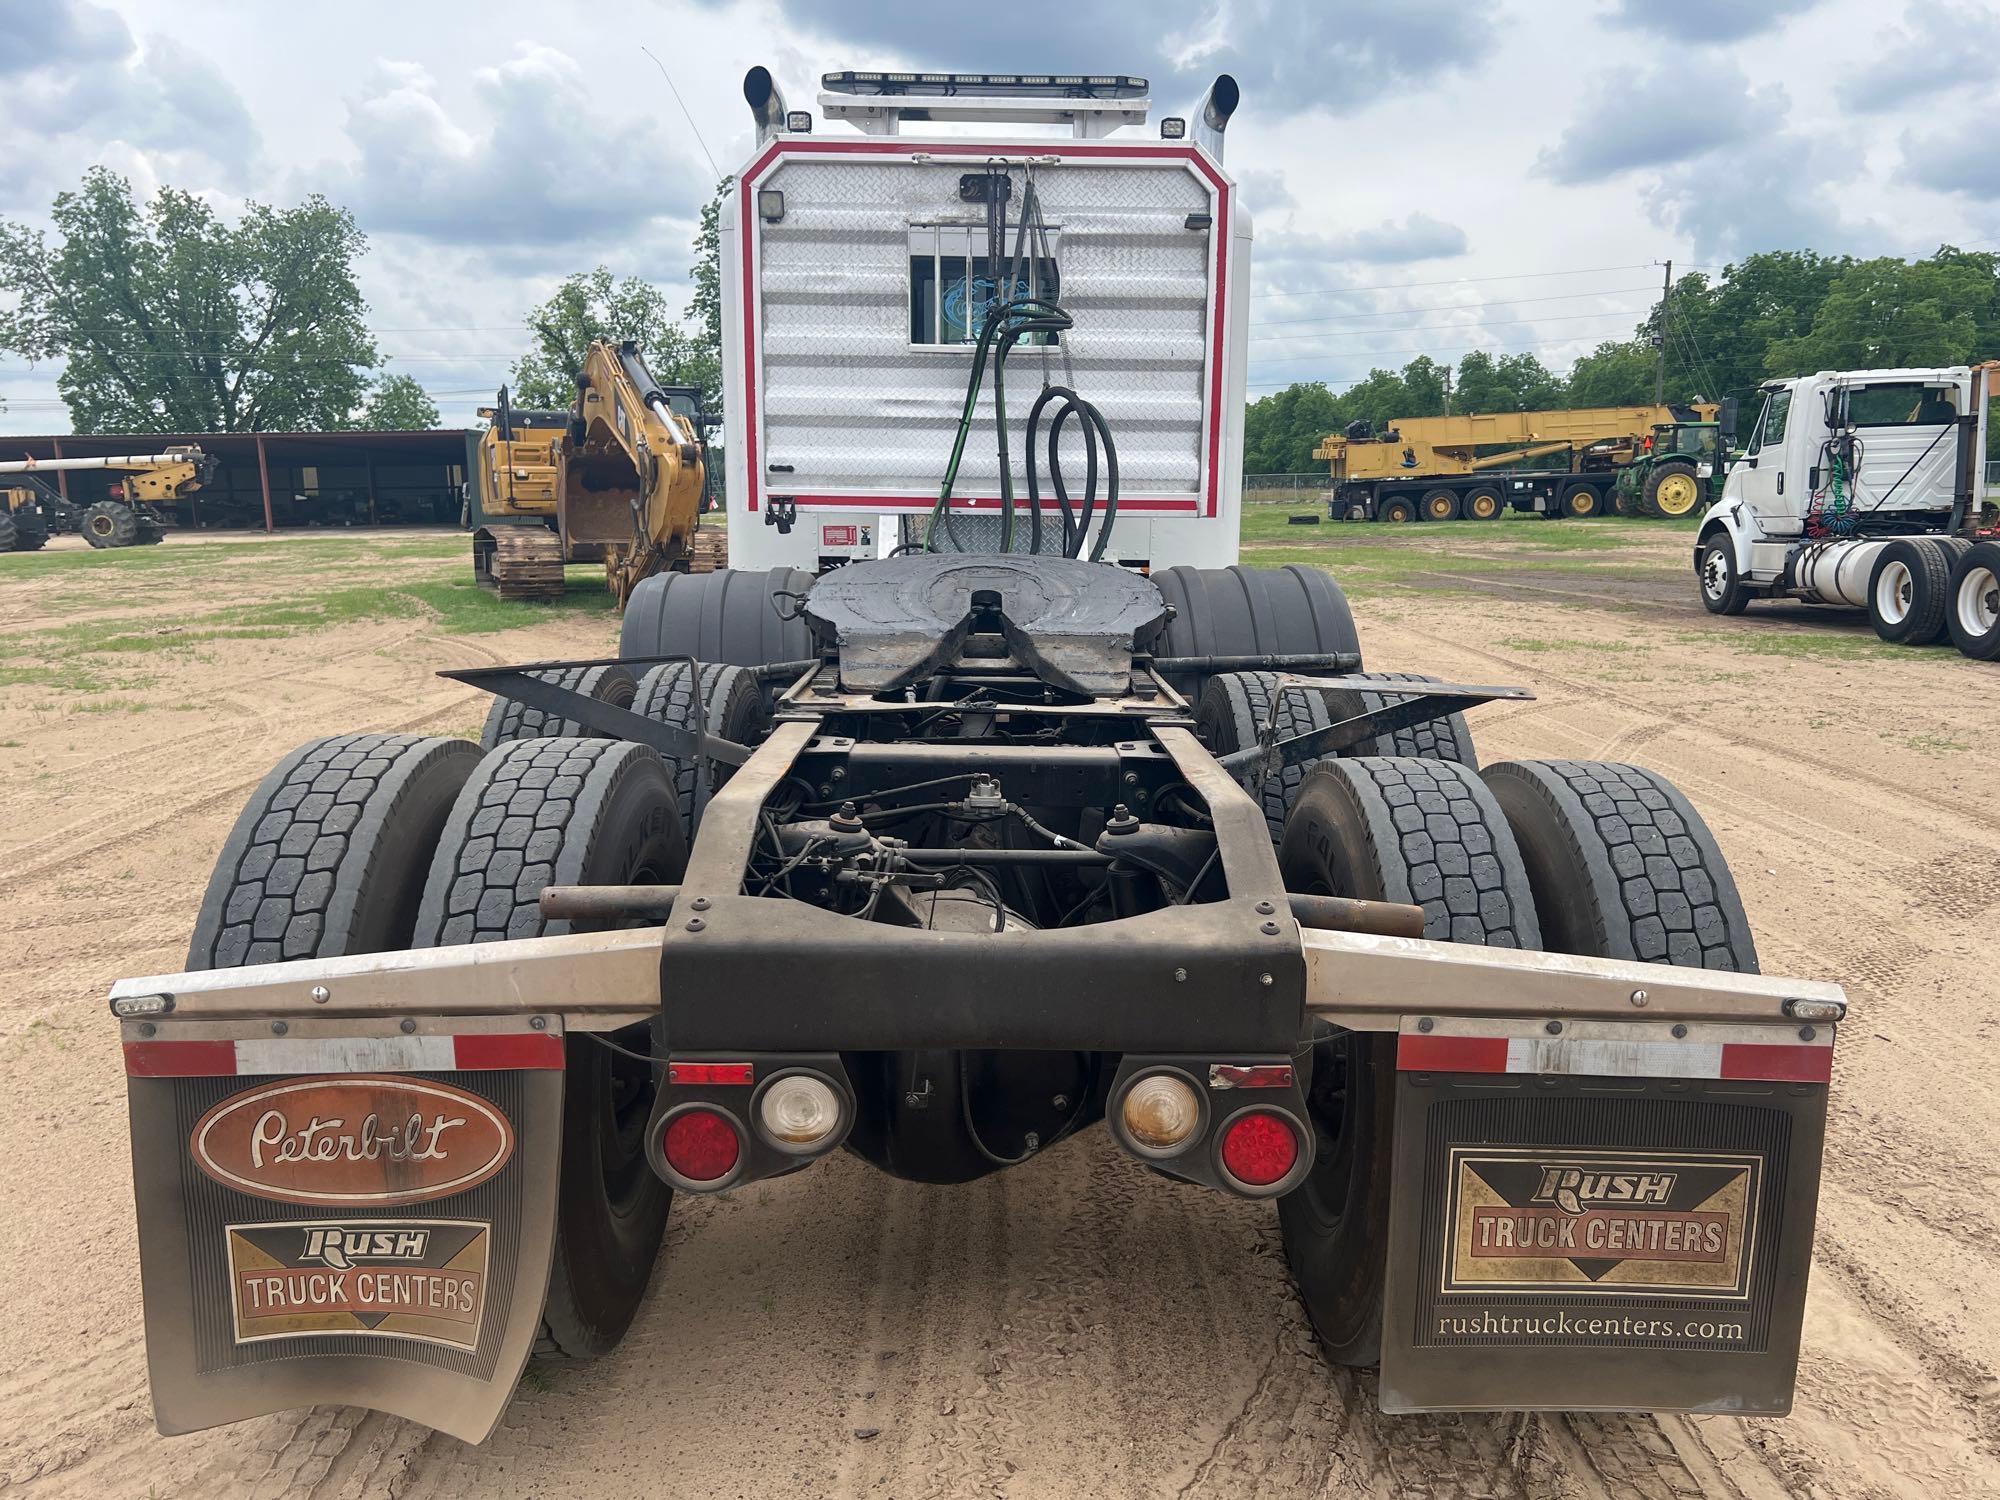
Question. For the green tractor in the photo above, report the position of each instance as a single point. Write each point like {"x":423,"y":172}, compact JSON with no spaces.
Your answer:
{"x":1678,"y":471}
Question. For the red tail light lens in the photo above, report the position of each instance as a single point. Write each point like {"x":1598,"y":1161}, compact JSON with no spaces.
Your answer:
{"x":701,"y":1145}
{"x":1259,"y":1148}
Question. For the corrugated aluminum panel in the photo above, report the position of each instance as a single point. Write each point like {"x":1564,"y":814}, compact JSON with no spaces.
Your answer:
{"x":853,"y":407}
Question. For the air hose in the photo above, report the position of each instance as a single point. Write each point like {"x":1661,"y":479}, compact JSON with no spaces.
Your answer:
{"x":1005,"y":326}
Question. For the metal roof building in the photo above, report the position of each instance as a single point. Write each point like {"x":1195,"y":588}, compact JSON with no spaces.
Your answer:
{"x":284,"y":479}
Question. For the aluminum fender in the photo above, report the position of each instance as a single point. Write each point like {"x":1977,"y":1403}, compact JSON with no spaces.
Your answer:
{"x":343,"y":1211}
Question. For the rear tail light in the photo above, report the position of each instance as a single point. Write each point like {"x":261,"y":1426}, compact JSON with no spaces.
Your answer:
{"x":1161,"y":1113}
{"x":701,"y":1144}
{"x":799,"y":1112}
{"x":1260,"y":1148}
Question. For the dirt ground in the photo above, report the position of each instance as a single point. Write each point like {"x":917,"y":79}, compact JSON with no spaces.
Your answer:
{"x":1077,"y":1327}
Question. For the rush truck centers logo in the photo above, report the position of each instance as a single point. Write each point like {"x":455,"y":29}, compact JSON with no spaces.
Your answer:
{"x":1647,"y":1223}
{"x":421,"y":1279}
{"x":368,"y":1141}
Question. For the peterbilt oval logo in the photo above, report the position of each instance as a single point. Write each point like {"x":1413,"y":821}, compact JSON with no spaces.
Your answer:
{"x":355,"y":1139}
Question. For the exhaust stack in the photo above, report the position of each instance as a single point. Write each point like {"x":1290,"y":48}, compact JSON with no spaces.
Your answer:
{"x":1211,"y":116}
{"x":767,"y":104}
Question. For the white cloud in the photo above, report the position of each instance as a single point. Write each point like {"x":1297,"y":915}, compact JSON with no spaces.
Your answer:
{"x":1705,"y":22}
{"x":1666,"y":113}
{"x":1941,"y":45}
{"x":541,"y":158}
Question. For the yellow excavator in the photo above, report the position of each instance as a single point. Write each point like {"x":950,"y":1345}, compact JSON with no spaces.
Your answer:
{"x":124,"y":518}
{"x":618,"y":479}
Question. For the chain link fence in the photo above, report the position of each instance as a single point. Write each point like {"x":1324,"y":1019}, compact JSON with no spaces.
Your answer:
{"x":1284,"y":489}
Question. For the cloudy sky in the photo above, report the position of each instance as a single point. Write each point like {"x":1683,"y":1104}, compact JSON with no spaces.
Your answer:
{"x":1427,"y":176}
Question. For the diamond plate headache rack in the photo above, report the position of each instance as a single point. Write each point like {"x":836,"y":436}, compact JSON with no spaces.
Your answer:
{"x":523,"y":684}
{"x":1422,"y":702}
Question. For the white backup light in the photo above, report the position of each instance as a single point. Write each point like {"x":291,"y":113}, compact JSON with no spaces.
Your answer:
{"x":1161,"y":1112}
{"x":798,"y":1111}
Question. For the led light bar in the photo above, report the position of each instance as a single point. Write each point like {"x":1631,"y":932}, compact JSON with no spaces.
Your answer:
{"x":1032,"y":85}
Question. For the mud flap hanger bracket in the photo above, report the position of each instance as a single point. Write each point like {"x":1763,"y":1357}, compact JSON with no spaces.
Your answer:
{"x":523,"y":684}
{"x":1420,"y":703}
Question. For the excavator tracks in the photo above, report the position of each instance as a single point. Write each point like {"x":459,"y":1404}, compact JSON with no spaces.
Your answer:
{"x":708,"y":550}
{"x":526,"y":562}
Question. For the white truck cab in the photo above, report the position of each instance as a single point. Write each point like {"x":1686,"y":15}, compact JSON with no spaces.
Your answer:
{"x":857,"y":273}
{"x":1856,"y":488}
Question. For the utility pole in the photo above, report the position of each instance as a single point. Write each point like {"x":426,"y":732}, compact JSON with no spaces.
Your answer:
{"x":1660,"y":337}
{"x":1447,"y":390}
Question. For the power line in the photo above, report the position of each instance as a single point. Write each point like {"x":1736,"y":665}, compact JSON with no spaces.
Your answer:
{"x":1396,"y":286}
{"x":1390,"y":312}
{"x":1622,"y":314}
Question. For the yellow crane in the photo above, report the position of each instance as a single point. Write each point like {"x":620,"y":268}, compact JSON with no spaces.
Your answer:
{"x":1440,"y":468}
{"x":618,"y":479}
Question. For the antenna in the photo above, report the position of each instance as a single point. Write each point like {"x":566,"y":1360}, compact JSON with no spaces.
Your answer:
{"x":684,"y":113}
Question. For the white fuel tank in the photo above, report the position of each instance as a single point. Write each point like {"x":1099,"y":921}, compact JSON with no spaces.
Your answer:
{"x":1837,"y":571}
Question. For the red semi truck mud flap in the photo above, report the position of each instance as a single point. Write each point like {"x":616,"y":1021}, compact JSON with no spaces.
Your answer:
{"x":1601,"y":1215}
{"x":343,"y":1212}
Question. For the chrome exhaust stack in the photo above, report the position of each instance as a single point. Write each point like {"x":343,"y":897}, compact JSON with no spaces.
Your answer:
{"x":1211,"y":115}
{"x":767,"y":103}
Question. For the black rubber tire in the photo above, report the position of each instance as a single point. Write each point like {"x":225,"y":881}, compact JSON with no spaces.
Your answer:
{"x":1722,"y":589}
{"x":1386,"y":829}
{"x":1973,"y":595}
{"x":1398,"y":510}
{"x":30,"y":539}
{"x":330,"y":854}
{"x":732,"y":708}
{"x":110,"y":523}
{"x":1483,"y":504}
{"x":1581,"y":500}
{"x":568,"y":812}
{"x":1235,"y":705}
{"x":1926,"y":566}
{"x":508,"y":720}
{"x":1241,"y":611}
{"x":1649,"y":493}
{"x":1440,"y":505}
{"x":730,"y":617}
{"x":1622,"y":866}
{"x":1439,"y":739}
{"x":10,"y":533}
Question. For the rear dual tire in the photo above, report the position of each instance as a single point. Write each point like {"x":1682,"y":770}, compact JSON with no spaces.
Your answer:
{"x":1381,"y":828}
{"x":568,"y":811}
{"x":1909,"y":591}
{"x":1973,"y":615}
{"x":372,"y":843}
{"x":1578,"y":857}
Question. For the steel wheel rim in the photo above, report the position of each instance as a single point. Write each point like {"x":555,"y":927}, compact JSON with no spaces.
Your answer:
{"x":1893,"y":587}
{"x":1715,"y":573}
{"x":1676,"y":494}
{"x":1484,"y":507}
{"x":1582,"y":502}
{"x":101,"y":526}
{"x":1978,"y":601}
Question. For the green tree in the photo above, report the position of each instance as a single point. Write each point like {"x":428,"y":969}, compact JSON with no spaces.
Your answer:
{"x":595,"y":305}
{"x":1881,"y":314}
{"x":169,"y":319}
{"x":1513,"y":382}
{"x":1281,"y":430}
{"x":1618,"y":372}
{"x":705,"y":307}
{"x":397,"y":403}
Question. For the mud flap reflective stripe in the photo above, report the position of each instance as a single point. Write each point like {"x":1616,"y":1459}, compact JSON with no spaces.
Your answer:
{"x":1571,"y":1241}
{"x":377,"y":1239}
